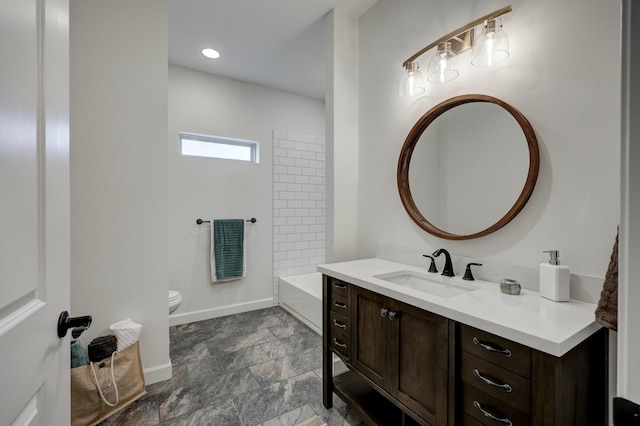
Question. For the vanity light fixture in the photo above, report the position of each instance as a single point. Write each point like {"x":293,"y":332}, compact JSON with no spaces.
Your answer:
{"x":491,"y":47}
{"x":443,"y":66}
{"x":211,"y":53}
{"x":412,"y":82}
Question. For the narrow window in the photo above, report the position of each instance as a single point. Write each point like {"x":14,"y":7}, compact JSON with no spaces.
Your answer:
{"x":219,"y":147}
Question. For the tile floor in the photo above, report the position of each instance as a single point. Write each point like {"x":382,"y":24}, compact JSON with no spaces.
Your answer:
{"x":255,"y":368}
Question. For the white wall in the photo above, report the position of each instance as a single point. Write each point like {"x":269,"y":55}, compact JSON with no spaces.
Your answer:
{"x":119,"y":244}
{"x":210,"y":188}
{"x":342,"y":134}
{"x":563,"y":75}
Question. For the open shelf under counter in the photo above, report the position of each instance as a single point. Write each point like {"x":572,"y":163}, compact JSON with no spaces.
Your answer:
{"x":369,"y":405}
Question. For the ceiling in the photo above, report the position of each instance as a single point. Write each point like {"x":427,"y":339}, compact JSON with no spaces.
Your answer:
{"x":273,"y":43}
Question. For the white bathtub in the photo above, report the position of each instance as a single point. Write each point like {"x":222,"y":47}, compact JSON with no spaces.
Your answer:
{"x":302,"y":296}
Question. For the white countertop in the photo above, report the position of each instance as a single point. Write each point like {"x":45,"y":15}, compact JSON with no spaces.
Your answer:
{"x":527,"y":318}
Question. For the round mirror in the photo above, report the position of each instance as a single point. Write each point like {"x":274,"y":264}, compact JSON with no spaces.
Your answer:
{"x":468,"y":167}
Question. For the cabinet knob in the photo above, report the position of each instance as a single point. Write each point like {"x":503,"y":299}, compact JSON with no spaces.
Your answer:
{"x":384,"y":312}
{"x":392,"y":315}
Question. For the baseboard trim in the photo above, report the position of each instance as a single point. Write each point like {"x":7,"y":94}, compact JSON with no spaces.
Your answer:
{"x":205,"y":314}
{"x":156,"y":374}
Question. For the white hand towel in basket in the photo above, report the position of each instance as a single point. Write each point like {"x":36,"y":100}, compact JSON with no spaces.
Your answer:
{"x":127,"y":332}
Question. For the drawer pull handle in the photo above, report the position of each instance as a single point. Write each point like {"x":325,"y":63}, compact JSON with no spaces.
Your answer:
{"x":505,"y":352}
{"x":340,"y":286}
{"x":339,"y":324}
{"x":337,"y":343}
{"x":506,"y":387}
{"x":505,"y":420}
{"x":340,"y":305}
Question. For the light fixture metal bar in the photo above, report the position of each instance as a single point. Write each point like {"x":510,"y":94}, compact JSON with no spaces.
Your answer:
{"x":462,"y":42}
{"x":458,"y":32}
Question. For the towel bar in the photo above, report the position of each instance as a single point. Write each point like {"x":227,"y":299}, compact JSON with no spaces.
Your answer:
{"x":200,"y":221}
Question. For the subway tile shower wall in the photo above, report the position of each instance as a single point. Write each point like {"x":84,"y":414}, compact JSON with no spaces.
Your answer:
{"x":298,"y":204}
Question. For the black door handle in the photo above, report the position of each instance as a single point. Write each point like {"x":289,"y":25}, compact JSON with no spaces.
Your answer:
{"x":79,"y":324}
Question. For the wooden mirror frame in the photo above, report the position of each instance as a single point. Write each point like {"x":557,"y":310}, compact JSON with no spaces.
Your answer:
{"x":413,"y":138}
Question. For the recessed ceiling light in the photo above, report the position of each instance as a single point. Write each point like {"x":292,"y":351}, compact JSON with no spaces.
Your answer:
{"x":211,"y":53}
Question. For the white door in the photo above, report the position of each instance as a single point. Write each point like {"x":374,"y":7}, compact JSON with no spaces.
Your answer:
{"x":34,"y":211}
{"x":629,"y":267}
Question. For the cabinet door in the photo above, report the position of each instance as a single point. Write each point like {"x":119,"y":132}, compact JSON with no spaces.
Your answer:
{"x":370,"y":333}
{"x":419,"y":355}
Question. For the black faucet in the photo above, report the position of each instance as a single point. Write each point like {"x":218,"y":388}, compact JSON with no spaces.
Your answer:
{"x":432,"y":268}
{"x":467,"y":273}
{"x":448,"y":267}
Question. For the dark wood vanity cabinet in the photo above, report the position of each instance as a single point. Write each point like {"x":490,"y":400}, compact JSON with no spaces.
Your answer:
{"x":403,"y":350}
{"x":502,"y":382}
{"x":408,"y":366}
{"x":339,"y":325}
{"x":393,"y":349}
{"x":494,"y":378}
{"x":370,"y":336}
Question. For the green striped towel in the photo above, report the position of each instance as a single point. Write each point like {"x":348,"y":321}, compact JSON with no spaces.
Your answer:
{"x":77,"y":354}
{"x":227,"y":250}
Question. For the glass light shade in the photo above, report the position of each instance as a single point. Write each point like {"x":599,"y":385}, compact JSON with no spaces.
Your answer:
{"x":492,"y":46}
{"x":443,"y":66}
{"x":412,"y":82}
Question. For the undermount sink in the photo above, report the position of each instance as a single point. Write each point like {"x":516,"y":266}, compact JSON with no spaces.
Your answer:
{"x":422,"y":282}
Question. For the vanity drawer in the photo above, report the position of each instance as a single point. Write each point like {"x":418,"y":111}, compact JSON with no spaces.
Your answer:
{"x":339,"y":304}
{"x":339,"y":317}
{"x":496,"y":350}
{"x":339,"y":325}
{"x":339,"y":287}
{"x":502,"y":384}
{"x":487,"y":410}
{"x":339,"y":343}
{"x":467,"y":420}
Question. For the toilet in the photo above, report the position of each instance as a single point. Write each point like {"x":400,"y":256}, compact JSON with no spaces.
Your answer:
{"x":175,"y":298}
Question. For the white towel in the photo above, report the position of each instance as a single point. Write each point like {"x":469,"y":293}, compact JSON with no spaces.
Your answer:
{"x":212,"y":258}
{"x":127,"y":333}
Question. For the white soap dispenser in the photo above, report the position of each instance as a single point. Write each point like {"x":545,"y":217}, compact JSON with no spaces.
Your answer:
{"x":554,"y":278}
